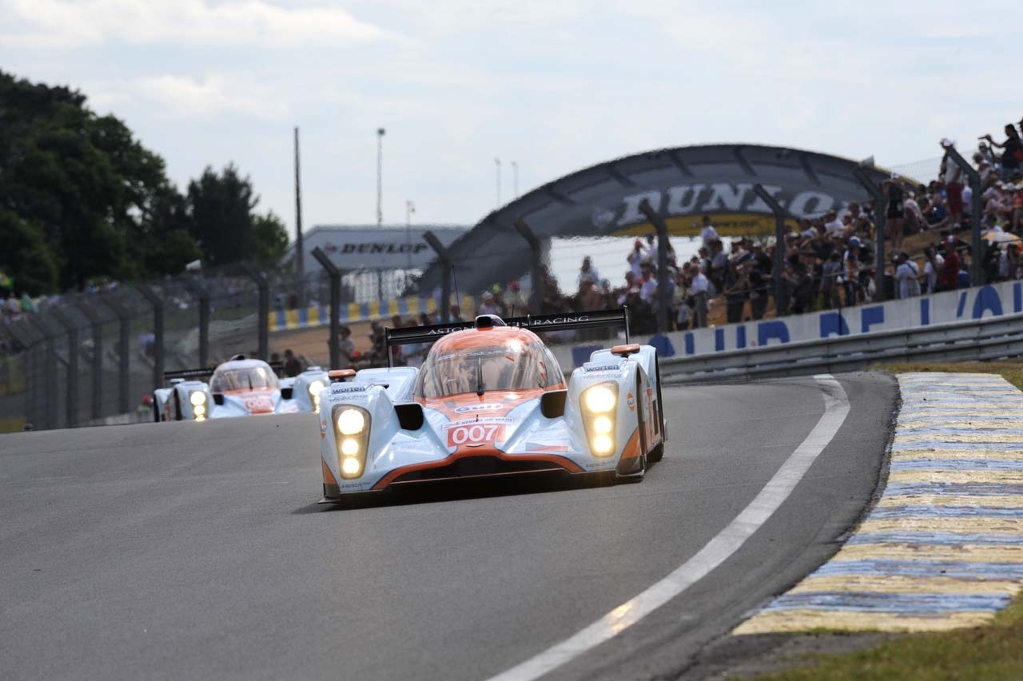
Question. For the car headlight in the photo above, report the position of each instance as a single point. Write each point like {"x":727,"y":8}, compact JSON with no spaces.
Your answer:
{"x":197,"y":397}
{"x":351,"y":421}
{"x":601,"y":398}
{"x":314,"y":393}
{"x":599,"y":404}
{"x":351,"y":434}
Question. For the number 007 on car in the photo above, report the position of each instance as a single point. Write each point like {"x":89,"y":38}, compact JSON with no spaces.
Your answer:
{"x":475,"y":434}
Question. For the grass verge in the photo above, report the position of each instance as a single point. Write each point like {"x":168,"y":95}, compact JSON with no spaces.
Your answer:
{"x":993,"y":652}
{"x":12,"y":424}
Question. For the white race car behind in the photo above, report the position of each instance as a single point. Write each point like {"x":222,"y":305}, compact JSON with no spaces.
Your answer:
{"x":239,"y":387}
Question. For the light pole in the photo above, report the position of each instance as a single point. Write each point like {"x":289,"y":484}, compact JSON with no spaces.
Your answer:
{"x":497,"y":162}
{"x":410,"y":208}
{"x":380,"y":170}
{"x":515,"y":179}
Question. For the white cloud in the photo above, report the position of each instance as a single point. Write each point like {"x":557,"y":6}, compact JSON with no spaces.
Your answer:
{"x":185,"y":97}
{"x":69,"y":24}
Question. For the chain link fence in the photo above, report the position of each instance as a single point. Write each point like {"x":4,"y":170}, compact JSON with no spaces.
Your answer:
{"x":95,"y":358}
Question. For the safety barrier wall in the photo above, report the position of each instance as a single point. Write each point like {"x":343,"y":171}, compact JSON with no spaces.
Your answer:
{"x":972,"y":340}
{"x":994,"y":300}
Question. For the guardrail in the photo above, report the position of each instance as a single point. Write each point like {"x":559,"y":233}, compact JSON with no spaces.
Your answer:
{"x":975,"y":340}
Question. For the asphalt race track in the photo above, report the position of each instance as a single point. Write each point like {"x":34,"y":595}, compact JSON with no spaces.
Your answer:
{"x":198,"y":551}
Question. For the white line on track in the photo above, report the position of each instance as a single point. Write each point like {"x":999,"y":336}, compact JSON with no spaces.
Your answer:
{"x":717,"y":550}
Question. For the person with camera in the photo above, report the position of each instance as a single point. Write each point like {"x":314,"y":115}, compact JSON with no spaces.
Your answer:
{"x":1012,"y":151}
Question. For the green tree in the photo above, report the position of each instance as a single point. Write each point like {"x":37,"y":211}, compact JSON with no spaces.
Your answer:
{"x":225,"y":224}
{"x":26,"y":256}
{"x":100,"y":200}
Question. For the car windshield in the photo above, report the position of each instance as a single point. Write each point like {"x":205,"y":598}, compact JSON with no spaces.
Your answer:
{"x":511,"y":366}
{"x":249,"y":378}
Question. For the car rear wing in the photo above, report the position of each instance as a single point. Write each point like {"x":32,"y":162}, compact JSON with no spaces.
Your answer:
{"x":569,"y":321}
{"x":200,"y":374}
{"x":561,"y":321}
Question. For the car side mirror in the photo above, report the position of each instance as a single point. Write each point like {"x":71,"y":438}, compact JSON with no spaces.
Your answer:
{"x":218,"y":399}
{"x":287,"y":393}
{"x":552,"y":404}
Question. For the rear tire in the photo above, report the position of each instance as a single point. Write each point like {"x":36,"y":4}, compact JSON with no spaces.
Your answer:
{"x":657,"y":453}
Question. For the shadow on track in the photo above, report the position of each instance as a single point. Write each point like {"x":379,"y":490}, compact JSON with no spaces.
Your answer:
{"x":432,"y":492}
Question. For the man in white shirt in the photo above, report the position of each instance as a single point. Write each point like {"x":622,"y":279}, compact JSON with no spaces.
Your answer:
{"x":700,"y":288}
{"x":708,"y":233}
{"x":932,"y":268}
{"x":588,"y":272}
{"x":906,"y":275}
{"x":832,"y":224}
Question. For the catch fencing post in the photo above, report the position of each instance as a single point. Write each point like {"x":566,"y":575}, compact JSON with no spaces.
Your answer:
{"x":976,"y":261}
{"x":263,"y":316}
{"x":50,"y":370}
{"x":335,"y":304}
{"x":157,"y":303}
{"x":779,"y":244}
{"x":536,"y":271}
{"x":198,"y":288}
{"x":880,"y":216}
{"x":71,"y":401}
{"x":29,"y":351}
{"x":445,"y":262}
{"x":97,"y":357}
{"x":663,"y":296}
{"x":123,"y":358}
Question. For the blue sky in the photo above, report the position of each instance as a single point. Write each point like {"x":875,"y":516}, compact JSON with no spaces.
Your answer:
{"x":554,"y":87}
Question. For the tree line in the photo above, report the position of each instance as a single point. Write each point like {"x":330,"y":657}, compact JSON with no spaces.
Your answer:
{"x":82,"y":201}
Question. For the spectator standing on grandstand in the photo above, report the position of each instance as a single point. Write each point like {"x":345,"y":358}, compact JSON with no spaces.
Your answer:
{"x":718,"y":265}
{"x":832,"y":271}
{"x":346,"y":348}
{"x":736,"y":290}
{"x":515,"y":301}
{"x":651,"y":250}
{"x":292,"y":366}
{"x":952,"y":177}
{"x":700,"y":288}
{"x":832,"y":225}
{"x":894,"y":210}
{"x":932,"y":268}
{"x":1012,"y":151}
{"x":635,"y":258}
{"x":488,"y":304}
{"x":948,"y":278}
{"x":907,"y":277}
{"x":12,"y":307}
{"x":707,"y":232}
{"x":587,"y":272}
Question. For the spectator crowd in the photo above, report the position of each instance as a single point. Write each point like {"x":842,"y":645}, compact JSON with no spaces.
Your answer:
{"x":828,"y":261}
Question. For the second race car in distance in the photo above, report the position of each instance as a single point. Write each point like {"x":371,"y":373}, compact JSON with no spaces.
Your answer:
{"x":239,"y":387}
{"x":490,"y":399}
